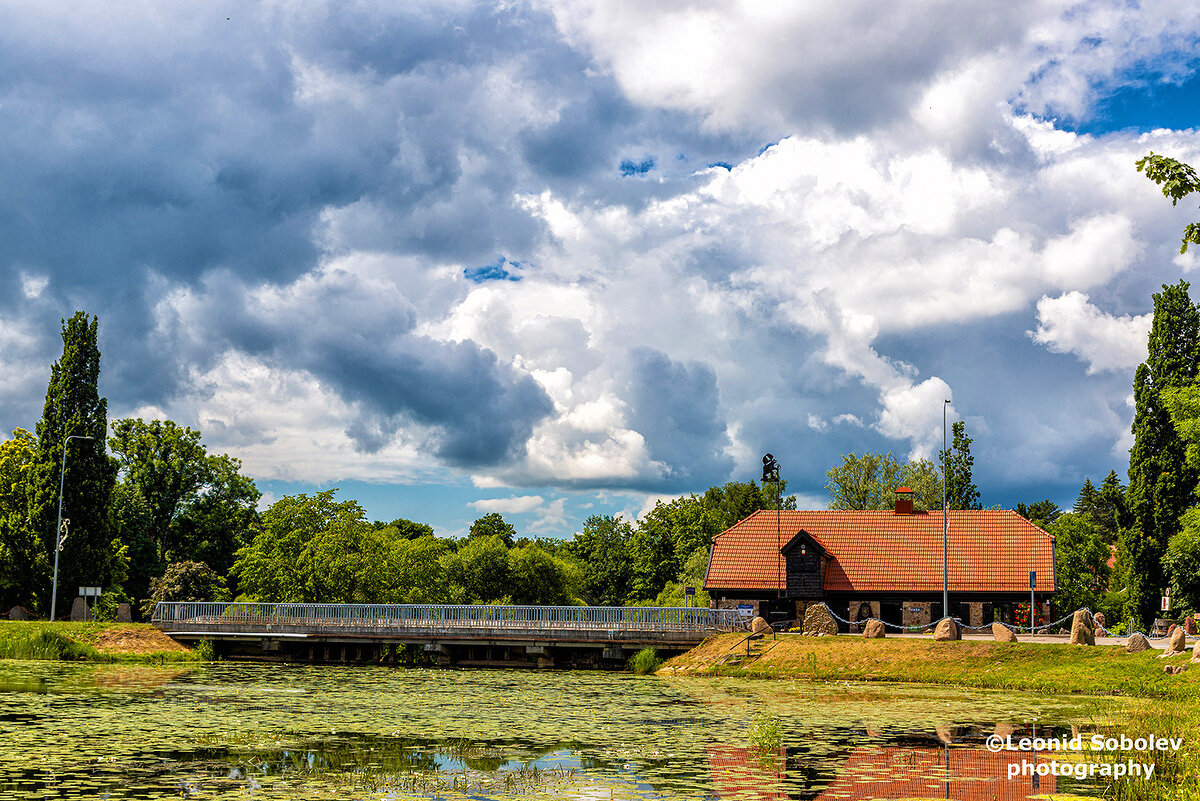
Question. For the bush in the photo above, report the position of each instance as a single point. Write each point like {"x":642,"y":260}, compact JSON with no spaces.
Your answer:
{"x":645,"y":661}
{"x":41,"y":643}
{"x":185,"y":581}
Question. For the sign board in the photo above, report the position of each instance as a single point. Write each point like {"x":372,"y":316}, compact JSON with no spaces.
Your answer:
{"x":1166,"y":600}
{"x":89,"y":592}
{"x":689,"y":590}
{"x":1033,"y":579}
{"x":914,"y":609}
{"x":745,"y":610}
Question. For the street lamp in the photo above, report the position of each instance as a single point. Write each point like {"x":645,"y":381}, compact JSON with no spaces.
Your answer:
{"x":945,"y":519}
{"x":58,"y":538}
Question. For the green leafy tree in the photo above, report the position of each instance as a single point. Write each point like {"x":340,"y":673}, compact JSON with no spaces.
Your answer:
{"x":413,"y":569}
{"x":961,"y":492}
{"x":692,"y":575}
{"x":1161,"y":482}
{"x":90,"y":556}
{"x":199,"y":507}
{"x":186,"y":581}
{"x":479,"y":572}
{"x":924,"y":478}
{"x":734,"y":501}
{"x":407,"y":528}
{"x":493,"y":524}
{"x":653,"y":562}
{"x":1042,"y":514}
{"x":1177,"y":180}
{"x":1080,"y":563}
{"x":603,"y":549}
{"x":1182,"y":562}
{"x":865,"y":482}
{"x":540,"y":578}
{"x":24,"y":568}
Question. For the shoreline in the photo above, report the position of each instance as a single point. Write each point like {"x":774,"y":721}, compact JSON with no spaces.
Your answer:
{"x":90,"y":641}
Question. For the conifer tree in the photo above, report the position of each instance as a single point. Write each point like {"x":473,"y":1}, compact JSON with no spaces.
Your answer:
{"x":961,"y":492}
{"x":74,"y":408}
{"x":1161,"y":484}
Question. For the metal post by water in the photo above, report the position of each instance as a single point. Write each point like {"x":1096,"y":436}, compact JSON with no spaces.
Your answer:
{"x":62,"y":471}
{"x":945,"y":520}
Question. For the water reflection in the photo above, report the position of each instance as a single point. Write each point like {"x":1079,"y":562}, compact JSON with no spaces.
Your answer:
{"x":239,"y":731}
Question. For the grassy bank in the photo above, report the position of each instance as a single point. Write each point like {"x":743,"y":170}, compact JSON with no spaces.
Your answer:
{"x":1046,"y":668}
{"x":1171,"y":708}
{"x":91,"y":642}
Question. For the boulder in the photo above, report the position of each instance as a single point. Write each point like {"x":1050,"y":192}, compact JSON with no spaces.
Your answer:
{"x":1002,"y":633}
{"x":818,"y":621}
{"x":1082,"y":630}
{"x":124,"y":614}
{"x":79,"y":609}
{"x":1174,"y":670}
{"x":20,"y":613}
{"x":1136,"y":643}
{"x":874,"y":630}
{"x":760,"y":626}
{"x":1176,"y":642}
{"x":1189,"y":625}
{"x":947,"y":629}
{"x":1196,"y":652}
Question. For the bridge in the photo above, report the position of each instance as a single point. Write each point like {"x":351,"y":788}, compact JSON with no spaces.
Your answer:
{"x":420,"y":634}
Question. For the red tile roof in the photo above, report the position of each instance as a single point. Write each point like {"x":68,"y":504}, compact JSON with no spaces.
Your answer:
{"x":873,"y":551}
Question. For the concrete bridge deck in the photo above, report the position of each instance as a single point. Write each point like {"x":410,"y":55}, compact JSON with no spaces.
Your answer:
{"x":511,"y":636}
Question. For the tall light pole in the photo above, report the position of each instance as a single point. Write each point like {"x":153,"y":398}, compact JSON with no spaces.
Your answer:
{"x":62,"y":471}
{"x":945,"y":519}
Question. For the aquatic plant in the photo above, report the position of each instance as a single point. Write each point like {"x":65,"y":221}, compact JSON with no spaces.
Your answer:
{"x":204,"y":651}
{"x":645,"y":661}
{"x":766,"y":734}
{"x":41,"y":643}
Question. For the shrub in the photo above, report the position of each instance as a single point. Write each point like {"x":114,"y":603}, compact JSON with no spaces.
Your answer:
{"x":644,"y":661}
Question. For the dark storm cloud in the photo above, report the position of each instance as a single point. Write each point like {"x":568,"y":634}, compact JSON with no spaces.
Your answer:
{"x":358,"y":339}
{"x":676,"y":408}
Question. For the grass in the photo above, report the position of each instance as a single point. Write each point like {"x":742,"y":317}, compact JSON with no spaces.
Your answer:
{"x":645,"y":661}
{"x":1045,"y":668}
{"x":89,"y":642}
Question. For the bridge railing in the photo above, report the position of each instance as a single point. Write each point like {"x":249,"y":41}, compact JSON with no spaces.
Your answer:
{"x":404,"y":616}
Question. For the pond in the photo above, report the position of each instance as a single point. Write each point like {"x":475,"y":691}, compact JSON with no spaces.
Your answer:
{"x":230,"y":730}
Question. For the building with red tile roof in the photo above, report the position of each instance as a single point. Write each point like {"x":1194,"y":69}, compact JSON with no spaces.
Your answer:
{"x":885,"y":564}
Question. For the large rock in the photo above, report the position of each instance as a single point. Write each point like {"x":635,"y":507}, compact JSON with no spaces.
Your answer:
{"x":947,"y":629}
{"x":124,"y":614}
{"x":1136,"y":643}
{"x":1082,"y":630}
{"x":1176,"y":643}
{"x":874,"y":630}
{"x":818,"y":621}
{"x":1002,"y":633}
{"x":79,"y":609}
{"x":1196,"y":652}
{"x":760,"y":626}
{"x":20,"y":613}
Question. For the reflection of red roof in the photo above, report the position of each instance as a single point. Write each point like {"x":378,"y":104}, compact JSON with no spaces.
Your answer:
{"x":885,"y":772}
{"x":990,"y":551}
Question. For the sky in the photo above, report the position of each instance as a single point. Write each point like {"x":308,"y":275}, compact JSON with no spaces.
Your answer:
{"x":555,"y":259}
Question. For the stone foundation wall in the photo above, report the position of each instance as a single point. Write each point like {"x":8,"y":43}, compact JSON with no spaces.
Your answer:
{"x":976,"y":614}
{"x":922,"y":617}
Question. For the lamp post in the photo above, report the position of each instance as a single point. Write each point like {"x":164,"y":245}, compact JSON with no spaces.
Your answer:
{"x":945,"y":519}
{"x":58,"y":538}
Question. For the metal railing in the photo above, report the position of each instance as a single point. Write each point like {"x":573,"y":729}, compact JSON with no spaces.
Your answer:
{"x":172,"y":614}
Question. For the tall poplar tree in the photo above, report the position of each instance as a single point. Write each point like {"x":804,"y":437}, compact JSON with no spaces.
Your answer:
{"x":74,"y":408}
{"x":1161,"y":484}
{"x":961,"y":492}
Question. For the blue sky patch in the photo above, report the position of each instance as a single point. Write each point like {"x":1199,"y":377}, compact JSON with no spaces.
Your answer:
{"x":631,"y":167}
{"x":724,"y":164}
{"x":1143,"y":103}
{"x":497,"y":271}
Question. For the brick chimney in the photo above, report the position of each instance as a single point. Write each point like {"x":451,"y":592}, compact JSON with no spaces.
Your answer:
{"x":904,"y":501}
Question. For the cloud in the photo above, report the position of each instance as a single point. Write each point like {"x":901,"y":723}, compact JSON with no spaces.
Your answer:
{"x":552,"y":518}
{"x":1071,"y":324}
{"x":518,"y":504}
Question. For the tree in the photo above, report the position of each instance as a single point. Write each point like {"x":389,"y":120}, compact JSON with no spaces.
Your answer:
{"x":961,"y":492}
{"x":1182,"y":561}
{"x":1161,"y":482}
{"x":865,"y":482}
{"x":185,"y":581}
{"x":870,"y":481}
{"x":193,"y":507}
{"x":652,"y":561}
{"x":603,"y":549}
{"x":23,"y":563}
{"x":1177,"y":180}
{"x":1042,"y":514}
{"x":479,"y":573}
{"x":74,"y":408}
{"x":540,"y":578}
{"x":279,"y":563}
{"x":407,"y":528}
{"x":493,"y":524}
{"x":1080,"y":563}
